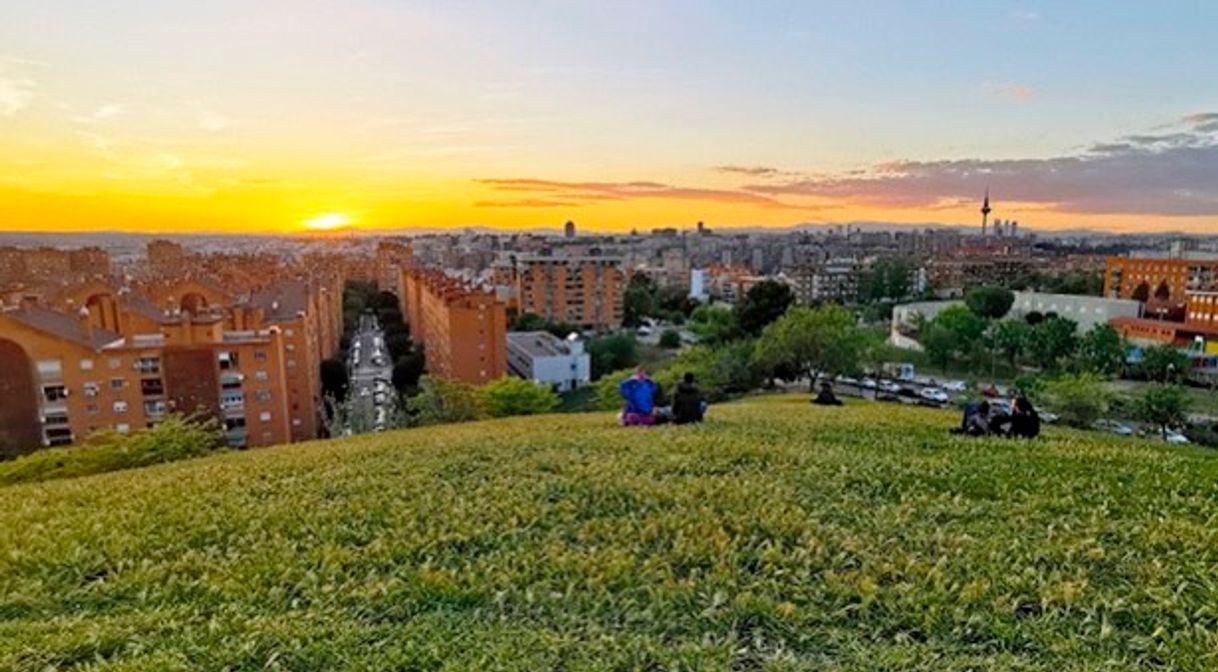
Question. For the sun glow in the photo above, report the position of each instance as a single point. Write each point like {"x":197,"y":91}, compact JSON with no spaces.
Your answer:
{"x":330,"y":221}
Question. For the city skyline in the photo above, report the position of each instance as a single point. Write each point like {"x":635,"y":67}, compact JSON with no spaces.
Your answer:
{"x":383,"y":115}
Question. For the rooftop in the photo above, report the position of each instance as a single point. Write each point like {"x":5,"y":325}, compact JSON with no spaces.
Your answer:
{"x":538,"y":343}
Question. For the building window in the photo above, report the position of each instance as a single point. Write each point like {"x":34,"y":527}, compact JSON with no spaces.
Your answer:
{"x":295,"y":422}
{"x":86,"y":365}
{"x":265,"y":416}
{"x":262,"y":395}
{"x":154,"y":408}
{"x":289,"y":333}
{"x":117,"y":383}
{"x":49,"y":368}
{"x":120,"y":407}
{"x":114,"y":362}
{"x":260,"y":355}
{"x":122,"y":428}
{"x":148,"y":365}
{"x":151,"y":387}
{"x":91,"y":389}
{"x":260,"y":375}
{"x":54,"y":393}
{"x":291,"y":363}
{"x":92,"y":409}
{"x":228,"y":360}
{"x":290,"y":347}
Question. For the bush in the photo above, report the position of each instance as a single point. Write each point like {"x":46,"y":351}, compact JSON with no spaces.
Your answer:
{"x":174,"y":438}
{"x":516,"y":396}
{"x":670,"y":339}
{"x":610,"y":353}
{"x":443,"y":401}
{"x":1079,"y":400}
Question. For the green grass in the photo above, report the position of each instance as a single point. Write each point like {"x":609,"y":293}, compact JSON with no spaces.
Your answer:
{"x":778,"y":536}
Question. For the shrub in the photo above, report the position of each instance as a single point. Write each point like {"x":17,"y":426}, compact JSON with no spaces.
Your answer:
{"x":515,"y":396}
{"x":174,"y":438}
{"x":443,"y":401}
{"x":670,"y":339}
{"x":1079,"y":400}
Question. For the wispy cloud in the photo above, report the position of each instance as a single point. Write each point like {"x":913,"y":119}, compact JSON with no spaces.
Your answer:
{"x":1010,"y":90}
{"x":588,"y":192}
{"x":15,"y":95}
{"x":99,"y":114}
{"x":1169,"y":174}
{"x":751,"y":171}
{"x":528,"y":203}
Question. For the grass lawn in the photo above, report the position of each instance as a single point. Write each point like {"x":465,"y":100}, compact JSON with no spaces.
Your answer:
{"x":778,"y":536}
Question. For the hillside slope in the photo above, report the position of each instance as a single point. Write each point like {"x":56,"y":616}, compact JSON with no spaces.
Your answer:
{"x":778,"y":536}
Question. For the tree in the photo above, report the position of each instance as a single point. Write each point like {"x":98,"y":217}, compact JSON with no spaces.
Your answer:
{"x":939,"y":343}
{"x":516,"y":396}
{"x":1163,"y":363}
{"x":714,"y":324}
{"x":1034,"y":317}
{"x":1053,"y":340}
{"x":765,"y":302}
{"x":810,"y":340}
{"x":1012,"y":338}
{"x":611,"y":353}
{"x":334,"y":382}
{"x":1163,"y":292}
{"x":407,"y":371}
{"x":1141,"y":292}
{"x":639,"y":300}
{"x":1164,"y":406}
{"x":1079,"y":400}
{"x":670,"y":339}
{"x":444,"y":401}
{"x":887,"y":280}
{"x":989,"y":302}
{"x":1101,"y":350}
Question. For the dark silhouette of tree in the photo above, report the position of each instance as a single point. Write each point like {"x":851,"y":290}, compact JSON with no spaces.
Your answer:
{"x":334,"y":381}
{"x":990,"y":302}
{"x":1141,"y":292}
{"x":767,"y":301}
{"x":1163,"y":292}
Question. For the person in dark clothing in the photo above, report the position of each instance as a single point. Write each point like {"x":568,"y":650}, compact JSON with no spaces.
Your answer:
{"x":826,"y":396}
{"x":688,"y":404}
{"x":1025,"y":421}
{"x":976,"y":421}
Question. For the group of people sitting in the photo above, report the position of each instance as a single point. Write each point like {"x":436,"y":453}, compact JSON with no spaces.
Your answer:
{"x":982,"y":419}
{"x":643,"y":395}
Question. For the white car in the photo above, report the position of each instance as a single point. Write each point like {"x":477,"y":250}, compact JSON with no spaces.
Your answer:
{"x":1048,"y":417}
{"x":868,"y":383}
{"x":934,"y":394}
{"x":1118,"y":428}
{"x":1176,"y":438}
{"x":955,"y":386}
{"x":889,"y":387}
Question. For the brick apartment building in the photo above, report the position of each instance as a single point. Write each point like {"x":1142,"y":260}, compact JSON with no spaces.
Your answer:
{"x":26,"y":266}
{"x":586,"y":291}
{"x":463,"y":329}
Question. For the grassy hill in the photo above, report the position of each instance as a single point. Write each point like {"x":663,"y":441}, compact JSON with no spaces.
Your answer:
{"x":778,"y":536}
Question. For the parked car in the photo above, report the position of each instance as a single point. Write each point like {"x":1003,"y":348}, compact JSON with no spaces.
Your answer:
{"x":889,"y":387}
{"x":1046,"y":416}
{"x":1176,"y":438}
{"x":955,"y":385}
{"x":869,"y":383}
{"x":1114,"y":427}
{"x":934,"y":394}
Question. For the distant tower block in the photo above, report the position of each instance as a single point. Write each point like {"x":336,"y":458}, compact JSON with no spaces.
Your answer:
{"x":701,"y":227}
{"x":1013,"y":229}
{"x":985,"y":212}
{"x":568,"y":230}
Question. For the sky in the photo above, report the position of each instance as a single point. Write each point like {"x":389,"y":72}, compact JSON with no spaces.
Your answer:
{"x":233,"y":115}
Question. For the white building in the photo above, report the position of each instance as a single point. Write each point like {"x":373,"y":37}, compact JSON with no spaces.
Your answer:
{"x":543,"y":357}
{"x":1085,"y":311}
{"x":697,"y":285}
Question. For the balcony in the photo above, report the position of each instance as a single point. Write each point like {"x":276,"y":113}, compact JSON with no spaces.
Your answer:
{"x":231,"y":381}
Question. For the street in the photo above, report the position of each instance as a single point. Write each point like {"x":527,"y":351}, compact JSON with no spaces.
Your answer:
{"x":371,"y":371}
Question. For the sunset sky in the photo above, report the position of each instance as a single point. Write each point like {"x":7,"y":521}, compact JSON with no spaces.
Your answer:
{"x":259,"y":115}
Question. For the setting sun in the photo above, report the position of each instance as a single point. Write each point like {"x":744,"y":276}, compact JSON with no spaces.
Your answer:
{"x":329,"y":221}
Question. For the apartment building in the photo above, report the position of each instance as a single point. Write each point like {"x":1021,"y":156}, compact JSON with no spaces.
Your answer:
{"x":47,"y":264}
{"x":391,"y":259}
{"x":585,"y":290}
{"x":1160,"y":278}
{"x":66,"y":377}
{"x":462,"y":329}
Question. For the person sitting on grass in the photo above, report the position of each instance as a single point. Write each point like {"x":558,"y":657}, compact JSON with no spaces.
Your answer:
{"x":639,"y":391}
{"x":976,"y":421}
{"x":1025,"y":421}
{"x":688,"y":404}
{"x":826,"y":396}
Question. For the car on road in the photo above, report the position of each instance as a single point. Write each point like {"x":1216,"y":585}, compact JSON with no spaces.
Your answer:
{"x":934,"y":394}
{"x":869,"y":383}
{"x":378,"y":361}
{"x":955,"y":385}
{"x":1114,"y":427}
{"x":1176,"y":438}
{"x":889,"y":387}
